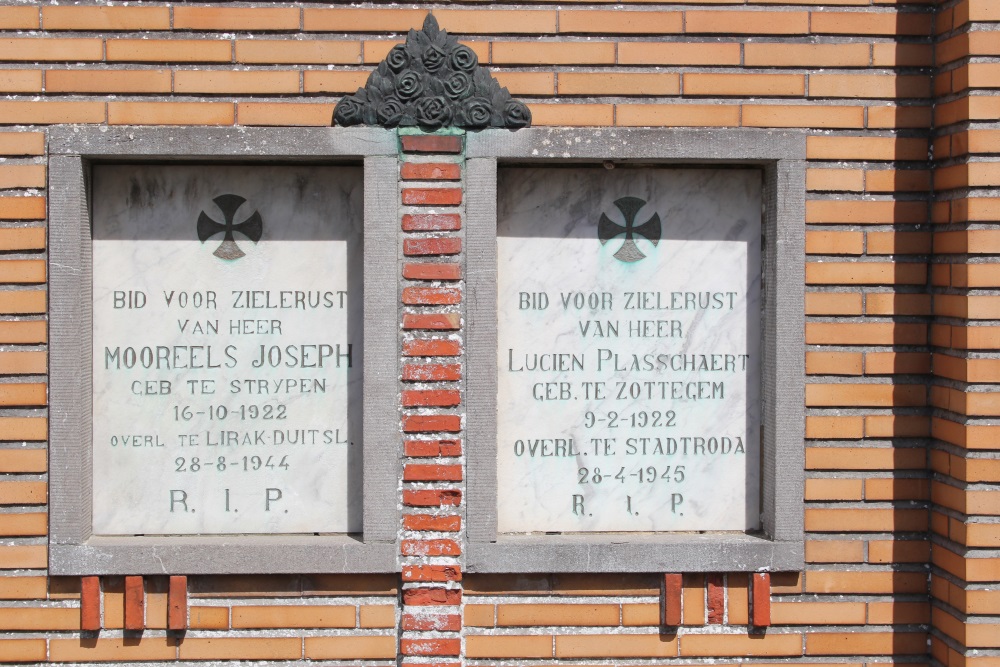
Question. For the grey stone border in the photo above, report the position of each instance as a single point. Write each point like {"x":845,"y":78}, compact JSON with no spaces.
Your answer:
{"x":781,"y":155}
{"x":72,"y":548}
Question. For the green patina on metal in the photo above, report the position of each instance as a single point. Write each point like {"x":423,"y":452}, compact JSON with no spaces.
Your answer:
{"x":432,"y":82}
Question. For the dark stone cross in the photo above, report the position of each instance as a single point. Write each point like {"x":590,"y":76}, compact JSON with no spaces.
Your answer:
{"x":252,"y":227}
{"x":649,"y":230}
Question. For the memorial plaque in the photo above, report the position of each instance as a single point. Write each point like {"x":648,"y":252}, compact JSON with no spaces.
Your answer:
{"x":227,"y":349}
{"x":628,"y":349}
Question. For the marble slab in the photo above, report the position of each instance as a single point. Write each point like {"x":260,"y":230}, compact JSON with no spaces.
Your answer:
{"x":227,"y":349}
{"x":628,"y":370}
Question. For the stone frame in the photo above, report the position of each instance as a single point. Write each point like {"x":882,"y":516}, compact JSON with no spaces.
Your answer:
{"x":781,"y":155}
{"x":72,"y":548}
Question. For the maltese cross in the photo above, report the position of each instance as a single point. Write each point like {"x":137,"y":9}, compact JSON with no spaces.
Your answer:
{"x":252,"y":227}
{"x":649,"y":230}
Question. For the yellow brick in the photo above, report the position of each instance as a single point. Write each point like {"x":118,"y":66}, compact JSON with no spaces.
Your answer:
{"x":772,"y":644}
{"x":572,"y":114}
{"x":298,"y":51}
{"x":818,"y":613}
{"x":241,"y":648}
{"x":618,"y":83}
{"x":108,"y":649}
{"x":773,"y":115}
{"x":236,"y":18}
{"x":169,"y":50}
{"x":617,"y":22}
{"x":107,"y":81}
{"x":22,"y":143}
{"x":221,"y":81}
{"x":678,"y":53}
{"x":309,"y":616}
{"x":616,"y":646}
{"x":105,"y":18}
{"x":349,"y":648}
{"x":171,"y":113}
{"x":553,"y":53}
{"x":521,"y":615}
{"x":508,"y":646}
{"x":20,"y":81}
{"x":762,"y":85}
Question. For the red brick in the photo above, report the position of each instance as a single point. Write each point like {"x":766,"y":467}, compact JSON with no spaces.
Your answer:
{"x":90,"y":603}
{"x":134,"y":604}
{"x":431,"y":222}
{"x":437,"y":322}
{"x":432,"y":573}
{"x":716,"y":598}
{"x":431,"y":143}
{"x":437,"y":622}
{"x":432,"y":196}
{"x":430,"y":548}
{"x":432,"y":596}
{"x":432,"y":448}
{"x":413,"y":271}
{"x":177,"y":604}
{"x":430,"y":171}
{"x":670,"y":600}
{"x":432,"y":372}
{"x":760,"y":583}
{"x":431,"y":296}
{"x":430,"y":646}
{"x":445,"y":524}
{"x":431,"y":398}
{"x":432,"y":347}
{"x":432,"y":497}
{"x":430,"y":423}
{"x":432,"y":246}
{"x":432,"y":473}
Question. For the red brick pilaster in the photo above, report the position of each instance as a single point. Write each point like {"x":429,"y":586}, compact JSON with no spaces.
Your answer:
{"x":432,"y":198}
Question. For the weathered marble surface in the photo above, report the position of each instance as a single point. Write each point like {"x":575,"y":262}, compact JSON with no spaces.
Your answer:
{"x":145,"y":239}
{"x":548,"y":248}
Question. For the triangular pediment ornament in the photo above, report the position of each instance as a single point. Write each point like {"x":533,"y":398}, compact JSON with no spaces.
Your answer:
{"x":431,"y":82}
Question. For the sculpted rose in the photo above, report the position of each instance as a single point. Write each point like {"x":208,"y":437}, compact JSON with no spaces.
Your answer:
{"x":463,"y":59}
{"x":398,"y":59}
{"x":409,"y":85}
{"x":477,"y":112}
{"x":458,"y":85}
{"x":349,"y":111}
{"x":433,"y":112}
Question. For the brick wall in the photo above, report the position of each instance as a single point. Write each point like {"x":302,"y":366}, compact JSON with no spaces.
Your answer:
{"x":899,"y":100}
{"x":964,"y":462}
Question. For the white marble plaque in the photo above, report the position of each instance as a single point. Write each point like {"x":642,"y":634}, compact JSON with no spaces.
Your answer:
{"x":227,"y":349}
{"x":629,"y":369}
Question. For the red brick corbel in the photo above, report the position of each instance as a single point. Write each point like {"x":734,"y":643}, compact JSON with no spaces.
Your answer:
{"x":90,"y":603}
{"x":760,"y":599}
{"x":177,"y":604}
{"x":135,"y":603}
{"x":670,"y":600}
